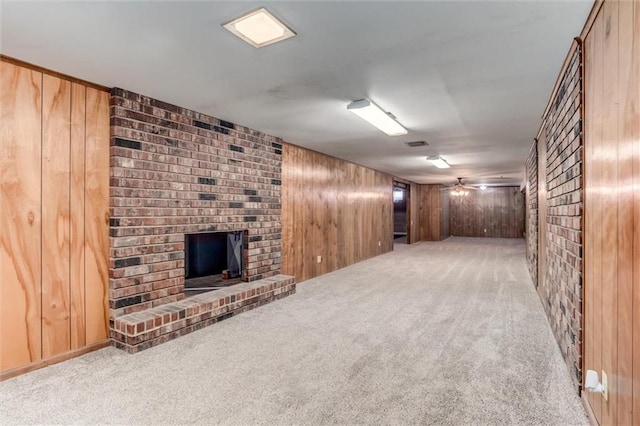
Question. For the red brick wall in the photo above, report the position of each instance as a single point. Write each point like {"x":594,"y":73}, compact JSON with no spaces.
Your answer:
{"x":174,"y":172}
{"x":531,"y":168}
{"x":561,"y":290}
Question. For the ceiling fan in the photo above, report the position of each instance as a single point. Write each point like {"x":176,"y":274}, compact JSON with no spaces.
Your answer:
{"x":459,"y":188}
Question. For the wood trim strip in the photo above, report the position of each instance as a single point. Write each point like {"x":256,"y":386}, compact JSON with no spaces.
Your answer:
{"x":577,"y":42}
{"x":567,"y":61}
{"x":597,"y":5}
{"x":52,"y":360}
{"x":595,"y":9}
{"x":583,"y":222}
{"x":62,"y":76}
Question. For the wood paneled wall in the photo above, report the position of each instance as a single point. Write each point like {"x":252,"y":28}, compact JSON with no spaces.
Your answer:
{"x":54,"y":215}
{"x":431,"y":207}
{"x":495,"y":212}
{"x":434,"y":213}
{"x":612,"y":209}
{"x":445,"y":214}
{"x":334,"y":209}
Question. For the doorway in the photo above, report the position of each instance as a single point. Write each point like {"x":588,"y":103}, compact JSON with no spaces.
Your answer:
{"x":400,"y":213}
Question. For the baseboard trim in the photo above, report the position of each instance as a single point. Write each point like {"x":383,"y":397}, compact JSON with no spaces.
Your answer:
{"x":587,"y":408}
{"x":17,"y":371}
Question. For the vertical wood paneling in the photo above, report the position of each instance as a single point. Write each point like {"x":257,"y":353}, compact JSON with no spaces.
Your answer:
{"x":414,"y":211}
{"x":56,"y":135}
{"x":625,"y":213}
{"x":593,"y":201}
{"x":296,"y":205}
{"x":430,"y":212}
{"x":51,"y":146}
{"x":611,"y":240}
{"x":333,"y":209}
{"x":319,"y":217}
{"x":20,"y":218}
{"x":632,"y":131}
{"x":445,"y":215}
{"x":494,"y":213}
{"x":340,"y":212}
{"x":76,"y":218}
{"x":96,"y":215}
{"x":609,"y":222}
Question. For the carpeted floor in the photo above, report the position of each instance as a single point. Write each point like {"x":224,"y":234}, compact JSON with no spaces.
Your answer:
{"x":448,"y":333}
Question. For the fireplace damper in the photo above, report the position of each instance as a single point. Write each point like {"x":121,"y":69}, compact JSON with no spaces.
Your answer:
{"x":213,"y":260}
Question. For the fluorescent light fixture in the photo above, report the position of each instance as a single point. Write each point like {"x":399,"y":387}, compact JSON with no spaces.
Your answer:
{"x":439,"y":162}
{"x":259,"y":28}
{"x":372,"y":113}
{"x":483,"y":187}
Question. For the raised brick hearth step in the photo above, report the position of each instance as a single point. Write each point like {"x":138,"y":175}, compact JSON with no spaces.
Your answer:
{"x":142,"y":330}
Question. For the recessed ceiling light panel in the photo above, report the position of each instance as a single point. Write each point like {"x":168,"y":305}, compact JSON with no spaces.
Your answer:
{"x":259,"y":28}
{"x":377,"y":117}
{"x":439,"y":162}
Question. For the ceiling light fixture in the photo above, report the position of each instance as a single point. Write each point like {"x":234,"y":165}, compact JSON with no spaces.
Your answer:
{"x":368,"y":111}
{"x":459,"y":192}
{"x":259,"y":28}
{"x":439,"y":162}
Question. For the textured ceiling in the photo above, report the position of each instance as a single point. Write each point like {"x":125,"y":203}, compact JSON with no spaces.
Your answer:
{"x":470,"y":78}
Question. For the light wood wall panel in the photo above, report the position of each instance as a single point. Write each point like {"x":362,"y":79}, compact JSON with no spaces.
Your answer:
{"x":55,"y":196}
{"x":56,"y":144}
{"x":96,"y":218}
{"x":334,"y":209}
{"x":609,"y":218}
{"x":76,"y":218}
{"x":612,"y":209}
{"x":495,"y":212}
{"x":20,"y":218}
{"x":632,"y":136}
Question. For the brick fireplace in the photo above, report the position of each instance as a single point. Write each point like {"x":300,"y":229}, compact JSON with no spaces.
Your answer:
{"x":177,"y":172}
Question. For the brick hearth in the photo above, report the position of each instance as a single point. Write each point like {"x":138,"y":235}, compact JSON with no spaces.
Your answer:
{"x":142,"y":330}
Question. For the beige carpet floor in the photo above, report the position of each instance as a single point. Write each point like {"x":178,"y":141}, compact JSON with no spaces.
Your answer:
{"x":448,"y":333}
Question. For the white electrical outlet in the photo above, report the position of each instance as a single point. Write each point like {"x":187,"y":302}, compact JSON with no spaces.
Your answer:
{"x":319,"y":259}
{"x":379,"y":243}
{"x":605,"y":390}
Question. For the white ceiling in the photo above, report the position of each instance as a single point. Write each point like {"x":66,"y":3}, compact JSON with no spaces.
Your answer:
{"x":472,"y":78}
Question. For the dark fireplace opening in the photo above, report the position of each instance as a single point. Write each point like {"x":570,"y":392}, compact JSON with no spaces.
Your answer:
{"x":213,"y":260}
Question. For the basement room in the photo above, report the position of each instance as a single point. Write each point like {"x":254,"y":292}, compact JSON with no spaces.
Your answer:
{"x":320,"y":212}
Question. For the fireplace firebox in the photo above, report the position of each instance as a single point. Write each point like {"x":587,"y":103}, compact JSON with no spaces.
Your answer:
{"x":213,"y":260}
